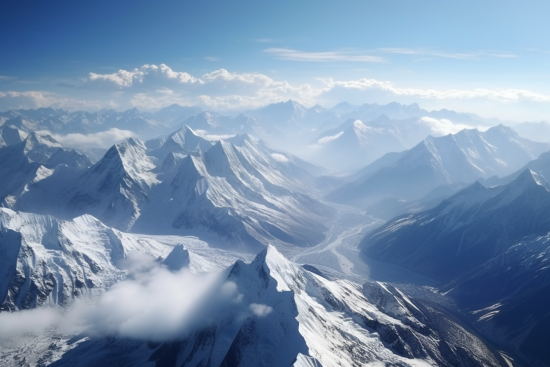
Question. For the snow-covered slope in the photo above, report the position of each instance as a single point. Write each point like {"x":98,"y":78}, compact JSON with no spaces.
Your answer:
{"x":240,"y":191}
{"x":113,"y":188}
{"x":183,"y":141}
{"x":287,"y":316}
{"x":47,"y":261}
{"x":466,"y":230}
{"x":25,"y":163}
{"x":461,"y":158}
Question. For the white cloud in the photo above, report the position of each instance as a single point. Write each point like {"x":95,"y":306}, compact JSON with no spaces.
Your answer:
{"x":31,"y":321}
{"x":152,"y":303}
{"x":296,"y":55}
{"x":102,"y":139}
{"x":447,"y":55}
{"x":151,"y":87}
{"x":260,"y":310}
{"x":156,"y":305}
{"x":147,"y":74}
{"x":501,"y":95}
{"x":212,"y":137}
{"x":279,"y":157}
{"x":212,"y":58}
{"x":328,"y":139}
{"x":37,"y":99}
{"x":441,"y":127}
{"x":159,"y":86}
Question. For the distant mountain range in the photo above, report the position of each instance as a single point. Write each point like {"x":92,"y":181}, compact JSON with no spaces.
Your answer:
{"x":438,"y":163}
{"x":290,"y":126}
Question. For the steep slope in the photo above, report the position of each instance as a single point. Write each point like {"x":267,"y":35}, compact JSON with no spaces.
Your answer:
{"x":240,"y":191}
{"x":113,"y":188}
{"x":465,"y":230}
{"x":461,"y":158}
{"x":10,"y":135}
{"x":46,"y":261}
{"x":183,"y":141}
{"x":508,"y":298}
{"x":286,"y":316}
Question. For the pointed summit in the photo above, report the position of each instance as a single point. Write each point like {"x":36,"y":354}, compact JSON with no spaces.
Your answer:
{"x":177,"y":259}
{"x":11,"y":135}
{"x":278,"y":267}
{"x":527,"y":180}
{"x":240,"y":139}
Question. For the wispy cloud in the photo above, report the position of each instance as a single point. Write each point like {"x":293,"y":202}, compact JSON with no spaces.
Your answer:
{"x":444,"y":54}
{"x":501,"y":95}
{"x":265,"y":40}
{"x":212,"y":58}
{"x":326,"y":56}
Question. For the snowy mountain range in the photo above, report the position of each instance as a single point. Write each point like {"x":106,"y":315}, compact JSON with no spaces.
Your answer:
{"x":169,"y":251}
{"x":239,"y":189}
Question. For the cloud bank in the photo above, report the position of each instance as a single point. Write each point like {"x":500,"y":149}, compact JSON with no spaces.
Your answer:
{"x":151,"y":87}
{"x":102,"y":139}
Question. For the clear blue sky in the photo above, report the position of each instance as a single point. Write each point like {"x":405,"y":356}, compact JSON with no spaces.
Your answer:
{"x":489,"y":57}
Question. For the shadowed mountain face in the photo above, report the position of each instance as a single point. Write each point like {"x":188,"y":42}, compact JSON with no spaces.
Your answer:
{"x":465,"y":230}
{"x":508,"y":297}
{"x":490,"y":245}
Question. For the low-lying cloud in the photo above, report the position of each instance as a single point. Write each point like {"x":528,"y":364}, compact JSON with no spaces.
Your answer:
{"x":212,"y":137}
{"x":328,"y":139}
{"x":27,"y":321}
{"x":441,"y":127}
{"x":279,"y":157}
{"x":152,"y":303}
{"x":102,"y":139}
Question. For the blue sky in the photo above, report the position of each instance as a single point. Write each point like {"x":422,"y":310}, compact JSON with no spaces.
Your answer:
{"x":488,"y":57}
